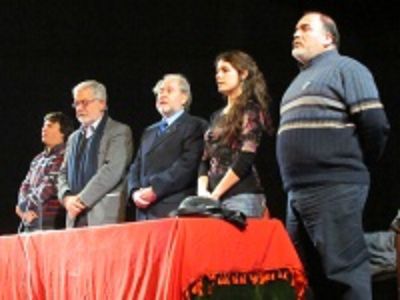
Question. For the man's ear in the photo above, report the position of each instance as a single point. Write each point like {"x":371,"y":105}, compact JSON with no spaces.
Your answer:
{"x":185,"y":100}
{"x":328,"y":39}
{"x":104,"y":105}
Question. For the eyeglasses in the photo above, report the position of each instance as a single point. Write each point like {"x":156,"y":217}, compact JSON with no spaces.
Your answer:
{"x":84,"y":102}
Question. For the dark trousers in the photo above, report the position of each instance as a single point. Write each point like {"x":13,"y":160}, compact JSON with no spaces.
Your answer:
{"x":325,"y":224}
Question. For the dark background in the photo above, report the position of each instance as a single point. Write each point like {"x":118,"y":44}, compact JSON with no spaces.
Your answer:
{"x":45,"y":49}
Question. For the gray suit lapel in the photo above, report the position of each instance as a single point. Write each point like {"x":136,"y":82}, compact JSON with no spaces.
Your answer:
{"x":103,"y":142}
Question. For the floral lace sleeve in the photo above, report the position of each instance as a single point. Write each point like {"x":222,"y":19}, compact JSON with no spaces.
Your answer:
{"x":252,"y":128}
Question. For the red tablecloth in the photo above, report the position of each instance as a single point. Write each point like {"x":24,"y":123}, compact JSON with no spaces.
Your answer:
{"x":161,"y":259}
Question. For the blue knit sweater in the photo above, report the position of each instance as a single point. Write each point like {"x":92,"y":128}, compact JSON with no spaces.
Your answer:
{"x":332,"y":123}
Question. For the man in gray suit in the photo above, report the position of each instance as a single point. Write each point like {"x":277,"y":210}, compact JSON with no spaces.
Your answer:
{"x":91,"y":183}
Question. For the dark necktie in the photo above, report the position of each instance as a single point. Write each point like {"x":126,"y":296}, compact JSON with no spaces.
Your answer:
{"x":82,"y":142}
{"x":162,"y":127}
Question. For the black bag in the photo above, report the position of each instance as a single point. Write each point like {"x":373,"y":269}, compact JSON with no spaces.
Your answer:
{"x":197,"y":206}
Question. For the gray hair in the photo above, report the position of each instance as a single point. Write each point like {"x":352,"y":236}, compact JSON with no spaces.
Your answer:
{"x":183,"y":85}
{"x":99,"y":90}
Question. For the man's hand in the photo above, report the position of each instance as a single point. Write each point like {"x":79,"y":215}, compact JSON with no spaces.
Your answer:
{"x":29,"y":216}
{"x":144,"y":197}
{"x":26,"y":216}
{"x":73,"y":205}
{"x":139,"y":201}
{"x":148,"y":194}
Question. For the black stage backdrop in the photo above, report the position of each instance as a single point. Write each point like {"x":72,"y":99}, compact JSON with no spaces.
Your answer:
{"x":47,"y":48}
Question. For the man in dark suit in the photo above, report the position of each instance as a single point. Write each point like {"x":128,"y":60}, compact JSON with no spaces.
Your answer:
{"x":91,"y":184}
{"x":164,"y":171}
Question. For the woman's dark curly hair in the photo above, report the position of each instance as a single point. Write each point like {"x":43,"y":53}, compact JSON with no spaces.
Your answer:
{"x":254,"y":88}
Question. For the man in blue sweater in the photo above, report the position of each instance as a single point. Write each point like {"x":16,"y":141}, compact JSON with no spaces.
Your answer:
{"x":332,"y":128}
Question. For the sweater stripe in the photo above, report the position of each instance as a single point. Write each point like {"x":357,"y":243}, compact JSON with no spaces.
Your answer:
{"x":359,"y":107}
{"x":314,"y":125}
{"x":313,"y":100}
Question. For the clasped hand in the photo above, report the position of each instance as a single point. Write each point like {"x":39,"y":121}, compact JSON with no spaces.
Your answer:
{"x":73,"y":205}
{"x":143,"y":197}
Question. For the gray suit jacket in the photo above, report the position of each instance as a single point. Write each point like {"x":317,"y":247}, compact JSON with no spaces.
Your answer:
{"x":105,"y":193}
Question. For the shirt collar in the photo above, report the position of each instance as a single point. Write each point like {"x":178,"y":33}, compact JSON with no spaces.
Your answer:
{"x":174,"y":117}
{"x":56,"y":149}
{"x":319,"y":57}
{"x":90,"y":130}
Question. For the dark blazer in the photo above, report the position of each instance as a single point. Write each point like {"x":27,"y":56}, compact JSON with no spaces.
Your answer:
{"x":168,"y":163}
